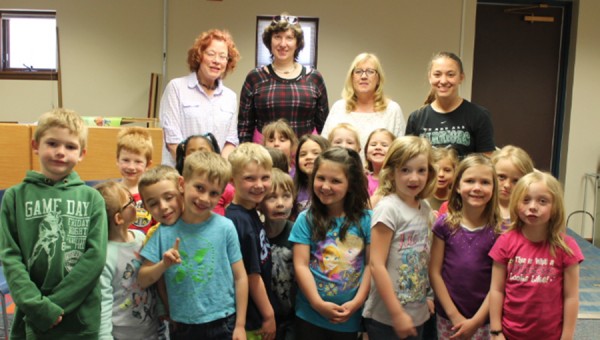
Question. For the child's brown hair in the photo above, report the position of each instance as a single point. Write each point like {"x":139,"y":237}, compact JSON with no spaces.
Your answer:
{"x":157,"y":174}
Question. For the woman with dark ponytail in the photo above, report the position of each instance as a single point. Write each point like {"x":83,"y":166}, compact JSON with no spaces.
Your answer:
{"x":448,"y":120}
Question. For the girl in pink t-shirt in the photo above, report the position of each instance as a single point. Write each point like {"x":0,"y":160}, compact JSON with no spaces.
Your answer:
{"x":460,"y":270}
{"x":376,"y":148}
{"x":535,"y":277}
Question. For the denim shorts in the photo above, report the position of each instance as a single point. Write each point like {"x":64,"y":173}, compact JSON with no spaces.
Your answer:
{"x":217,"y":329}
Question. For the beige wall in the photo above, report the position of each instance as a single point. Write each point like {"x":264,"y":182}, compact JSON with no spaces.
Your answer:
{"x":397,"y":31}
{"x":109,"y":48}
{"x":583,"y":146}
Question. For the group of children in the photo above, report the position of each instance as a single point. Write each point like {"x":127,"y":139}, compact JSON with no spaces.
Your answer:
{"x":480,"y":244}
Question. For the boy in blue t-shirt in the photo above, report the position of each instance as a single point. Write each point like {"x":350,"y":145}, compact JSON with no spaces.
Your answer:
{"x":251,"y":164}
{"x":200,"y":258}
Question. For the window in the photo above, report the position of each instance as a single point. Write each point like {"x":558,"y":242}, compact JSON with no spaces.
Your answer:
{"x":308,"y":55}
{"x":28,"y":45}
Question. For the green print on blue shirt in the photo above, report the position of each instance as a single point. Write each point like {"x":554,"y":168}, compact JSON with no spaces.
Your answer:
{"x":199,"y":267}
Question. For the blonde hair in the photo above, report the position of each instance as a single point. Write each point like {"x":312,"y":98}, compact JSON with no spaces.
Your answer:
{"x":445,"y":153}
{"x":557,"y":222}
{"x":62,"y":118}
{"x":282,"y":127}
{"x":137,"y":140}
{"x":209,"y":164}
{"x":401,"y":151}
{"x":491,"y":212}
{"x":113,"y":193}
{"x":349,"y":94}
{"x":517,"y":156}
{"x":157,"y":174}
{"x":282,"y":181}
{"x":344,"y":126}
{"x":249,"y":152}
{"x":382,"y":130}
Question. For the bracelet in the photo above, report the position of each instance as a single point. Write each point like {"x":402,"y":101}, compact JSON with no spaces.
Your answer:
{"x":495,"y":333}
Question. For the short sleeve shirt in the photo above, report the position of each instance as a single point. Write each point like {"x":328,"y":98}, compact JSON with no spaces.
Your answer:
{"x":201,"y":288}
{"x":337,"y":267}
{"x":533,"y":291}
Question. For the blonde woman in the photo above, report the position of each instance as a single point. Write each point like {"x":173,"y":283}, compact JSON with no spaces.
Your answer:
{"x":363,"y":103}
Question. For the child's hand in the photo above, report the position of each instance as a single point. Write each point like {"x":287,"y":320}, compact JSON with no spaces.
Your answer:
{"x":404,"y":326}
{"x":60,"y":317}
{"x":350,"y":308}
{"x":331,"y":311}
{"x":268,"y":329}
{"x":465,"y":329}
{"x":239,"y":333}
{"x":171,"y":256}
{"x":431,"y":306}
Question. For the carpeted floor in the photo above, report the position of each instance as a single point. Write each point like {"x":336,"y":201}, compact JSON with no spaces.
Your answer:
{"x":589,"y":279}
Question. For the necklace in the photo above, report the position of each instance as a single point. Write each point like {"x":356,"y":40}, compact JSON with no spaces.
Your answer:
{"x":208,"y":87}
{"x":286,"y":71}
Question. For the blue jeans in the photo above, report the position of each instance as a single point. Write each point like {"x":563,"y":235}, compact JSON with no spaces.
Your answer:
{"x":217,"y":329}
{"x":379,"y":331}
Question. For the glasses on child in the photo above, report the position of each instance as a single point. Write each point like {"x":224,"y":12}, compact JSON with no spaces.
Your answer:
{"x":131,"y":201}
{"x":369,"y":72}
{"x":288,"y":18}
{"x":213,"y":55}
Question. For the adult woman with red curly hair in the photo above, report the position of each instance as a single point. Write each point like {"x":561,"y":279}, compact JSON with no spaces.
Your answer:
{"x":199,"y":103}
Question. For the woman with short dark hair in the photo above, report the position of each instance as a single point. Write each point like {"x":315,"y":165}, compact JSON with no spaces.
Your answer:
{"x":284,"y":88}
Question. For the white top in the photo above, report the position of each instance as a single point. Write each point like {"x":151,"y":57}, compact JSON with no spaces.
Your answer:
{"x":186,"y":110}
{"x":391,"y":119}
{"x":407,"y":261}
{"x":128,"y":312}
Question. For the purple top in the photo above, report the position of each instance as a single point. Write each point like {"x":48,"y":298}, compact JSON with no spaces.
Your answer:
{"x":467,"y":268}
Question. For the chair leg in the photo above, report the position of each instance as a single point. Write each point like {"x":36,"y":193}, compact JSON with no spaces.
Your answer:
{"x":4,"y":316}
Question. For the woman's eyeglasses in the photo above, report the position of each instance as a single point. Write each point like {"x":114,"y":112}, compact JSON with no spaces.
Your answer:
{"x":131,"y":202}
{"x":288,"y":18}
{"x":213,"y":55}
{"x":369,"y":72}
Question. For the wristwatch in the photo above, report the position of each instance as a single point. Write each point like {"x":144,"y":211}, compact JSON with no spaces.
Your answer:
{"x":495,"y":333}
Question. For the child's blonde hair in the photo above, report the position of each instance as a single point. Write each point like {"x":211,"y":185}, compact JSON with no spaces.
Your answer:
{"x":380,"y":130}
{"x":157,"y":174}
{"x":519,"y":157}
{"x":491,"y":212}
{"x":114,"y":194}
{"x":282,"y":127}
{"x":445,"y":153}
{"x":209,"y":164}
{"x":401,"y":151}
{"x":281,"y":181}
{"x":137,"y":140}
{"x":62,"y":118}
{"x":345,"y":126}
{"x":557,"y":223}
{"x":247,"y":153}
